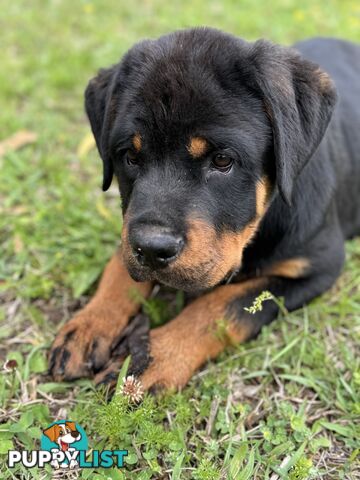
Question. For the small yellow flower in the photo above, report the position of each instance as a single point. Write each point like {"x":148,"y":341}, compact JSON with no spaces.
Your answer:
{"x":257,"y":305}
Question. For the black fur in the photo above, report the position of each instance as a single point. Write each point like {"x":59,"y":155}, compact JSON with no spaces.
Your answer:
{"x":266,"y":106}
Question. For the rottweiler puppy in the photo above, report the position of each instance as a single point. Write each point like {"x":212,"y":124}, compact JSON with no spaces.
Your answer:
{"x":238,"y":166}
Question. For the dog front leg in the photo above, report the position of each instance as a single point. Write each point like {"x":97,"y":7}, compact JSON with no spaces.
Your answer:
{"x":84,"y":344}
{"x":206,"y":326}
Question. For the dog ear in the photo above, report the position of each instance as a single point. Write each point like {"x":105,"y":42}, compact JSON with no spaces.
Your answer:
{"x":299,"y":99}
{"x":71,"y":425}
{"x":52,"y":432}
{"x":98,"y":101}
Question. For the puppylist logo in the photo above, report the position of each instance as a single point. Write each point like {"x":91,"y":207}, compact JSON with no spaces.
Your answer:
{"x":63,"y":445}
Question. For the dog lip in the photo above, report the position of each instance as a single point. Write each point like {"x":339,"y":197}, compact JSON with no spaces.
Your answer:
{"x":168,"y":276}
{"x":140,"y":274}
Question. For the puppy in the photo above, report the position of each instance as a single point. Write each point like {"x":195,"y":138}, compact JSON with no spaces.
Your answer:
{"x":64,"y":435}
{"x":239,"y":171}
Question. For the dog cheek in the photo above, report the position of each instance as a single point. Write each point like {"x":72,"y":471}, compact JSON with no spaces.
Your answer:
{"x":199,"y":249}
{"x":233,"y":244}
{"x":208,"y":256}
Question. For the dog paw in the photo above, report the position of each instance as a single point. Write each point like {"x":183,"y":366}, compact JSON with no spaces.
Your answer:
{"x":171,"y":362}
{"x":83,"y":346}
{"x":134,"y":341}
{"x":164,"y":361}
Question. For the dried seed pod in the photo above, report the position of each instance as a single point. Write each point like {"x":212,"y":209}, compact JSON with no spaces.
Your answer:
{"x":132,"y":388}
{"x":10,"y":365}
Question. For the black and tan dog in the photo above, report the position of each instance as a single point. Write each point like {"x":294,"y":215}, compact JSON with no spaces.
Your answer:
{"x":239,"y":171}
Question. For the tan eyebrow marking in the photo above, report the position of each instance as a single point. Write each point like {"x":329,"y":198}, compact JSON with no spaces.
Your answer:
{"x":197,"y":147}
{"x":137,"y":142}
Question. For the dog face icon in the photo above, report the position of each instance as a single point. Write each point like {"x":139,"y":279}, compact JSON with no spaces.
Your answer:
{"x":64,"y":434}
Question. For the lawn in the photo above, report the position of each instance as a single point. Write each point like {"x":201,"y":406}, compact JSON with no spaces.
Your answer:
{"x":284,"y":406}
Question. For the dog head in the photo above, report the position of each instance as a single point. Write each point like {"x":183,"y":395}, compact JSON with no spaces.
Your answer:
{"x":63,"y":434}
{"x":202,"y":130}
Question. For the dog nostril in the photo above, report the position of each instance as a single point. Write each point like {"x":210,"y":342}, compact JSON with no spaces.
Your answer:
{"x":74,"y":434}
{"x":155,"y":248}
{"x":139,"y":255}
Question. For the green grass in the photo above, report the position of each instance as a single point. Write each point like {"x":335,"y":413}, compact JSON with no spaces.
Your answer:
{"x":285,"y":406}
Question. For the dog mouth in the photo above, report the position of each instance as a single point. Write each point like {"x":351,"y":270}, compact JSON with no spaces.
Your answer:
{"x":64,"y":445}
{"x":196,"y":278}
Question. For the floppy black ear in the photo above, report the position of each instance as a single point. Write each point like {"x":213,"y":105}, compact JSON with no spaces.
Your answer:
{"x":98,"y":96}
{"x":299,"y":99}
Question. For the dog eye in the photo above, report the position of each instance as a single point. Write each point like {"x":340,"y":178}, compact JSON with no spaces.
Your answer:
{"x":131,"y":157}
{"x":222,"y":162}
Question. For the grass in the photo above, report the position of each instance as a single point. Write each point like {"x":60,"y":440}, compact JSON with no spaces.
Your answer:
{"x":285,"y":406}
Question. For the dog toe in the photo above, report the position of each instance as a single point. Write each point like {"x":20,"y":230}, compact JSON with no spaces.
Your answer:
{"x":134,"y":341}
{"x":109,"y":375}
{"x":79,"y":350}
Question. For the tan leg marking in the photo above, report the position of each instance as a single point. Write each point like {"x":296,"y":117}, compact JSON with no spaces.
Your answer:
{"x":84,"y":343}
{"x":200,"y":332}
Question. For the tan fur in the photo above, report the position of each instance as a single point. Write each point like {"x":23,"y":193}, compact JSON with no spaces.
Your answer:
{"x":197,"y":147}
{"x":200,"y":332}
{"x":137,"y":142}
{"x":103,"y":319}
{"x":220,"y":252}
{"x":291,"y":268}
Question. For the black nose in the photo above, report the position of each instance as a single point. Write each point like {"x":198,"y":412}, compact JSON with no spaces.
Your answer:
{"x":155,"y":247}
{"x":74,"y":433}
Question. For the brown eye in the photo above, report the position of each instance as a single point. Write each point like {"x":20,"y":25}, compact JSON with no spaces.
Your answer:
{"x":222,"y":162}
{"x":131,"y":157}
